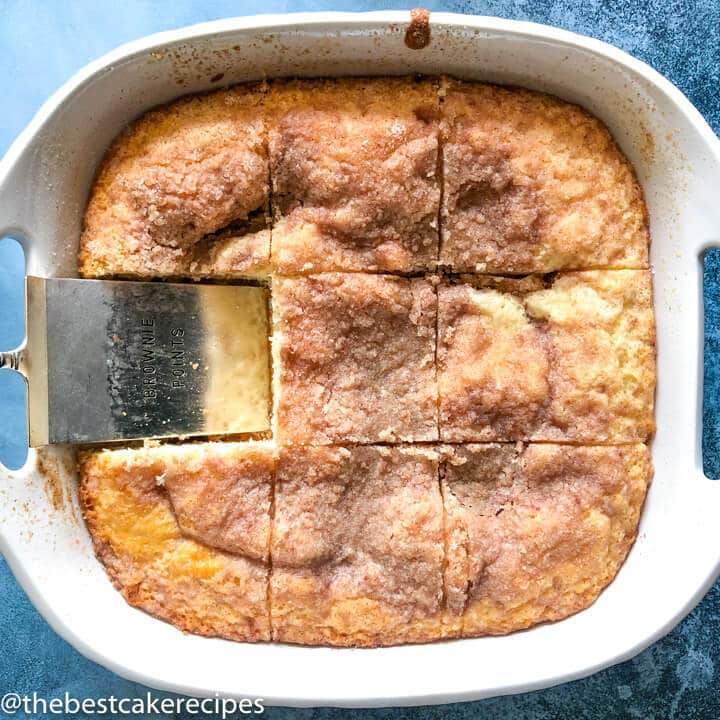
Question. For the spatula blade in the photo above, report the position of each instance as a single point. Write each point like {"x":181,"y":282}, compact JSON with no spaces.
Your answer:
{"x":119,"y":360}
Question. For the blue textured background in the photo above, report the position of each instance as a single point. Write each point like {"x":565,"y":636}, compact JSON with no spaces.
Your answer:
{"x":43,"y":43}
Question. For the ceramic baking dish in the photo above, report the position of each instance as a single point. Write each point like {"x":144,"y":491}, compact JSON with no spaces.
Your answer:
{"x":44,"y":180}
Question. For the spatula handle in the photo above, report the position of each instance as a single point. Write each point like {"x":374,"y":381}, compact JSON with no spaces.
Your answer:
{"x":13,"y":359}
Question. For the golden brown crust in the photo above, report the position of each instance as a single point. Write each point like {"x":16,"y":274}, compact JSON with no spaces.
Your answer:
{"x":366,"y":549}
{"x":357,"y":547}
{"x":573,"y":362}
{"x":175,"y":178}
{"x":534,"y":184}
{"x":154,"y":564}
{"x":354,"y":359}
{"x":222,"y":498}
{"x":369,"y":545}
{"x":354,"y":169}
{"x":535,"y":533}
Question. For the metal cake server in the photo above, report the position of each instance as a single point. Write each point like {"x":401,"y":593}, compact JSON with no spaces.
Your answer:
{"x":112,"y":360}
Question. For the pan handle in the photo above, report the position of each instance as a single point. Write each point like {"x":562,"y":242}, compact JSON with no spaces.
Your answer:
{"x":17,"y":209}
{"x":15,"y":358}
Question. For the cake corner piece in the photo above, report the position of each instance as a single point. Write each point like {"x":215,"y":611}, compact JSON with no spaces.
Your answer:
{"x":534,"y":184}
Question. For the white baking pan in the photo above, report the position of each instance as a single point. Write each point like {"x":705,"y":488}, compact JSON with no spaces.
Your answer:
{"x":44,"y":180}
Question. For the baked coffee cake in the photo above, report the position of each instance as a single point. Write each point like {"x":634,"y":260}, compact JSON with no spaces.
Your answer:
{"x":532,"y":184}
{"x":463,"y":352}
{"x":566,"y":358}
